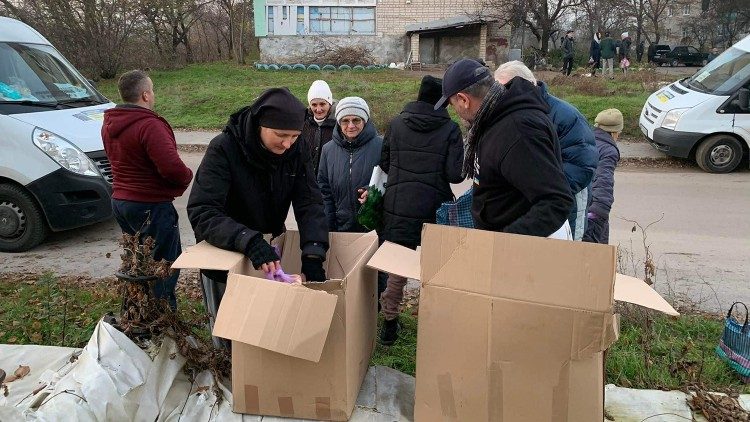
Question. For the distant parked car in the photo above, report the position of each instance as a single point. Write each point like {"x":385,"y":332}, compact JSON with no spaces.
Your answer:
{"x":658,"y":51}
{"x":684,"y":54}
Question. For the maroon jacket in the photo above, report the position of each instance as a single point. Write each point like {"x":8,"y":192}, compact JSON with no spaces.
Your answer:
{"x":141,"y":147}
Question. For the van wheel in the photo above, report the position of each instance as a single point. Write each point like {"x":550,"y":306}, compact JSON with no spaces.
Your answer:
{"x":22,"y":224}
{"x":704,"y":62}
{"x":719,"y":154}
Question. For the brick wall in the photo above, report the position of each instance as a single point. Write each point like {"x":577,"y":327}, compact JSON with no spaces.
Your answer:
{"x":392,"y":16}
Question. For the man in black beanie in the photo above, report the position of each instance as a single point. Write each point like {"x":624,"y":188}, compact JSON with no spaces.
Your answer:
{"x":422,"y":154}
{"x":251,"y":174}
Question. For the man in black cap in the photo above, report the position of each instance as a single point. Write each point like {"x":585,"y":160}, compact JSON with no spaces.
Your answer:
{"x":512,"y":152}
{"x":422,"y":153}
{"x":251,"y":174}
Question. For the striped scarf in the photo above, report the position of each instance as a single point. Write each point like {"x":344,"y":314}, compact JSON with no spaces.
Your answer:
{"x":478,"y":126}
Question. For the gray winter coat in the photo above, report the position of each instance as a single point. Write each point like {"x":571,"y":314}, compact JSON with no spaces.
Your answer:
{"x":344,"y":168}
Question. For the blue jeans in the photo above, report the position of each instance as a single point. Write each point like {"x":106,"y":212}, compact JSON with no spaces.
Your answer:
{"x":158,"y":220}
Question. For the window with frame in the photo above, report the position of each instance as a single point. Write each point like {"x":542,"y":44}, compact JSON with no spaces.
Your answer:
{"x":686,"y":10}
{"x":300,"y":20}
{"x":685,"y":32}
{"x":342,"y":20}
{"x":670,"y":11}
{"x":270,"y":22}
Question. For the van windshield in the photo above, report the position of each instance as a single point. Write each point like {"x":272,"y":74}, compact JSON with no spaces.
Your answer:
{"x":723,"y":75}
{"x":35,"y":73}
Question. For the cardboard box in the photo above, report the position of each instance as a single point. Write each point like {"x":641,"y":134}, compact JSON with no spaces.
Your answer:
{"x":512,"y":328}
{"x":297,"y":351}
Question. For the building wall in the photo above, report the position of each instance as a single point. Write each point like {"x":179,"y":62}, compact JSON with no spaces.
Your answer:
{"x":287,"y":49}
{"x":674,"y":25}
{"x":393,"y":15}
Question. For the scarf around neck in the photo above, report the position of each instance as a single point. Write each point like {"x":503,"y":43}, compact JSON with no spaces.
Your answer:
{"x":479,"y":125}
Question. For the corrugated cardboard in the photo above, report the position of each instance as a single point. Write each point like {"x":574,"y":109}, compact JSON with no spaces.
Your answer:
{"x":512,"y":328}
{"x":297,"y":351}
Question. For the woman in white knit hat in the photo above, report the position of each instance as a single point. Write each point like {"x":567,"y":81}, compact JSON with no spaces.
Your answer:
{"x":319,"y":121}
{"x":346,"y":164}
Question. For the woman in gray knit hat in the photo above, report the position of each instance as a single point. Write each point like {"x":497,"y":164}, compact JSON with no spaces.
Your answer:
{"x":347,"y":162}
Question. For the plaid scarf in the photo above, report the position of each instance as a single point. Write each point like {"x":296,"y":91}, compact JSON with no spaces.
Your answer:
{"x":478,"y":126}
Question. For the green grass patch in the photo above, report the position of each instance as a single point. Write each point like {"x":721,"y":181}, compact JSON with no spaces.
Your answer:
{"x":202,"y":96}
{"x":45,"y":309}
{"x":403,"y":354}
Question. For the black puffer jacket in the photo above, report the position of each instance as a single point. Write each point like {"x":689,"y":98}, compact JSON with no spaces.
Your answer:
{"x":520,"y":186}
{"x":422,"y":153}
{"x":345,"y":167}
{"x":315,"y":135}
{"x":241,"y":189}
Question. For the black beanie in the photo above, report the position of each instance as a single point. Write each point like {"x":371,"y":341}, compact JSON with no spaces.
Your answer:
{"x":277,"y":108}
{"x":430,"y":90}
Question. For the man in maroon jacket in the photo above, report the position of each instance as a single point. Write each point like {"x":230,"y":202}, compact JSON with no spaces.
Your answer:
{"x":148,"y":172}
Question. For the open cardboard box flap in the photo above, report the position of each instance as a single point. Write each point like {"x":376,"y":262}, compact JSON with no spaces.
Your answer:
{"x":396,"y":259}
{"x":291,"y":320}
{"x":288,"y":319}
{"x":205,"y":256}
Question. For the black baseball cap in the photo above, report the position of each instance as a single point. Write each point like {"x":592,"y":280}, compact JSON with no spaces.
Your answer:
{"x":461,"y":75}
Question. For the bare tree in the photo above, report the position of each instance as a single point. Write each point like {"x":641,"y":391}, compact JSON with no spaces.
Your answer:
{"x":655,"y":12}
{"x":733,"y":18}
{"x":171,"y":21}
{"x":541,"y":17}
{"x":94,"y":34}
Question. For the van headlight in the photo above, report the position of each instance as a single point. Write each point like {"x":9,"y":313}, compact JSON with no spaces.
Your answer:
{"x":64,"y":153}
{"x":672,"y":117}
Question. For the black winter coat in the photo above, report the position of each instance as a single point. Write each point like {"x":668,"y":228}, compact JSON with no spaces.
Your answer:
{"x":315,"y":135}
{"x":241,"y":189}
{"x":422,"y":153}
{"x":520,"y":186}
{"x":344,"y":168}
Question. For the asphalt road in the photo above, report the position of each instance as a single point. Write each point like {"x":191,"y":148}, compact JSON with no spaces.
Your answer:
{"x":701,"y":245}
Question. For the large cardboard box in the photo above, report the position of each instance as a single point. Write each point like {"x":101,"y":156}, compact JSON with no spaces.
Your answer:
{"x":297,"y":351}
{"x":512,"y":328}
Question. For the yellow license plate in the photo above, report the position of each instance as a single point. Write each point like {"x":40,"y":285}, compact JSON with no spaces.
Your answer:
{"x":663,"y":98}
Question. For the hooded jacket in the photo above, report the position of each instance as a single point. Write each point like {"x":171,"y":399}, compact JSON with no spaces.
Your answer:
{"x":141,"y":148}
{"x":241,"y":189}
{"x":608,"y":48}
{"x":577,"y":145}
{"x":520,"y":186}
{"x":345,"y":167}
{"x":315,"y":135}
{"x":422,"y":153}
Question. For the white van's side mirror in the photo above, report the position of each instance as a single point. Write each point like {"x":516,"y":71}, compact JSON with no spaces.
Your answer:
{"x":743,"y":99}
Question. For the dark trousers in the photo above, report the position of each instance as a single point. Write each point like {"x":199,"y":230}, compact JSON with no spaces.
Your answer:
{"x":567,"y":65}
{"x":597,"y":231}
{"x":158,"y":220}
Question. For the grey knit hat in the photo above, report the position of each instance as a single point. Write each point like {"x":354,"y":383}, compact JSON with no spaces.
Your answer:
{"x":352,"y":106}
{"x":609,"y":120}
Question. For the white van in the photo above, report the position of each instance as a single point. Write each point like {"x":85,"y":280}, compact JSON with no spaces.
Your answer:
{"x":706,"y":116}
{"x":54,"y":174}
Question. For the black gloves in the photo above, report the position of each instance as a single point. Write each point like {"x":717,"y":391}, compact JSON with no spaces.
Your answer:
{"x":260,"y":252}
{"x":312,"y":268}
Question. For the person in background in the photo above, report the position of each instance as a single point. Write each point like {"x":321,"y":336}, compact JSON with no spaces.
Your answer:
{"x":608,"y":126}
{"x":595,"y":53}
{"x":608,"y":50}
{"x":250,"y":176}
{"x":568,"y":53}
{"x":423,"y":154}
{"x":148,"y":172}
{"x":319,"y":121}
{"x":624,"y":52}
{"x":347,"y":162}
{"x":512,"y":152}
{"x":713,"y":54}
{"x":576,"y":139}
{"x":639,"y":51}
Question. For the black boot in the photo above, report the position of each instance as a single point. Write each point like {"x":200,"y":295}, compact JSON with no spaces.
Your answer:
{"x":389,"y":333}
